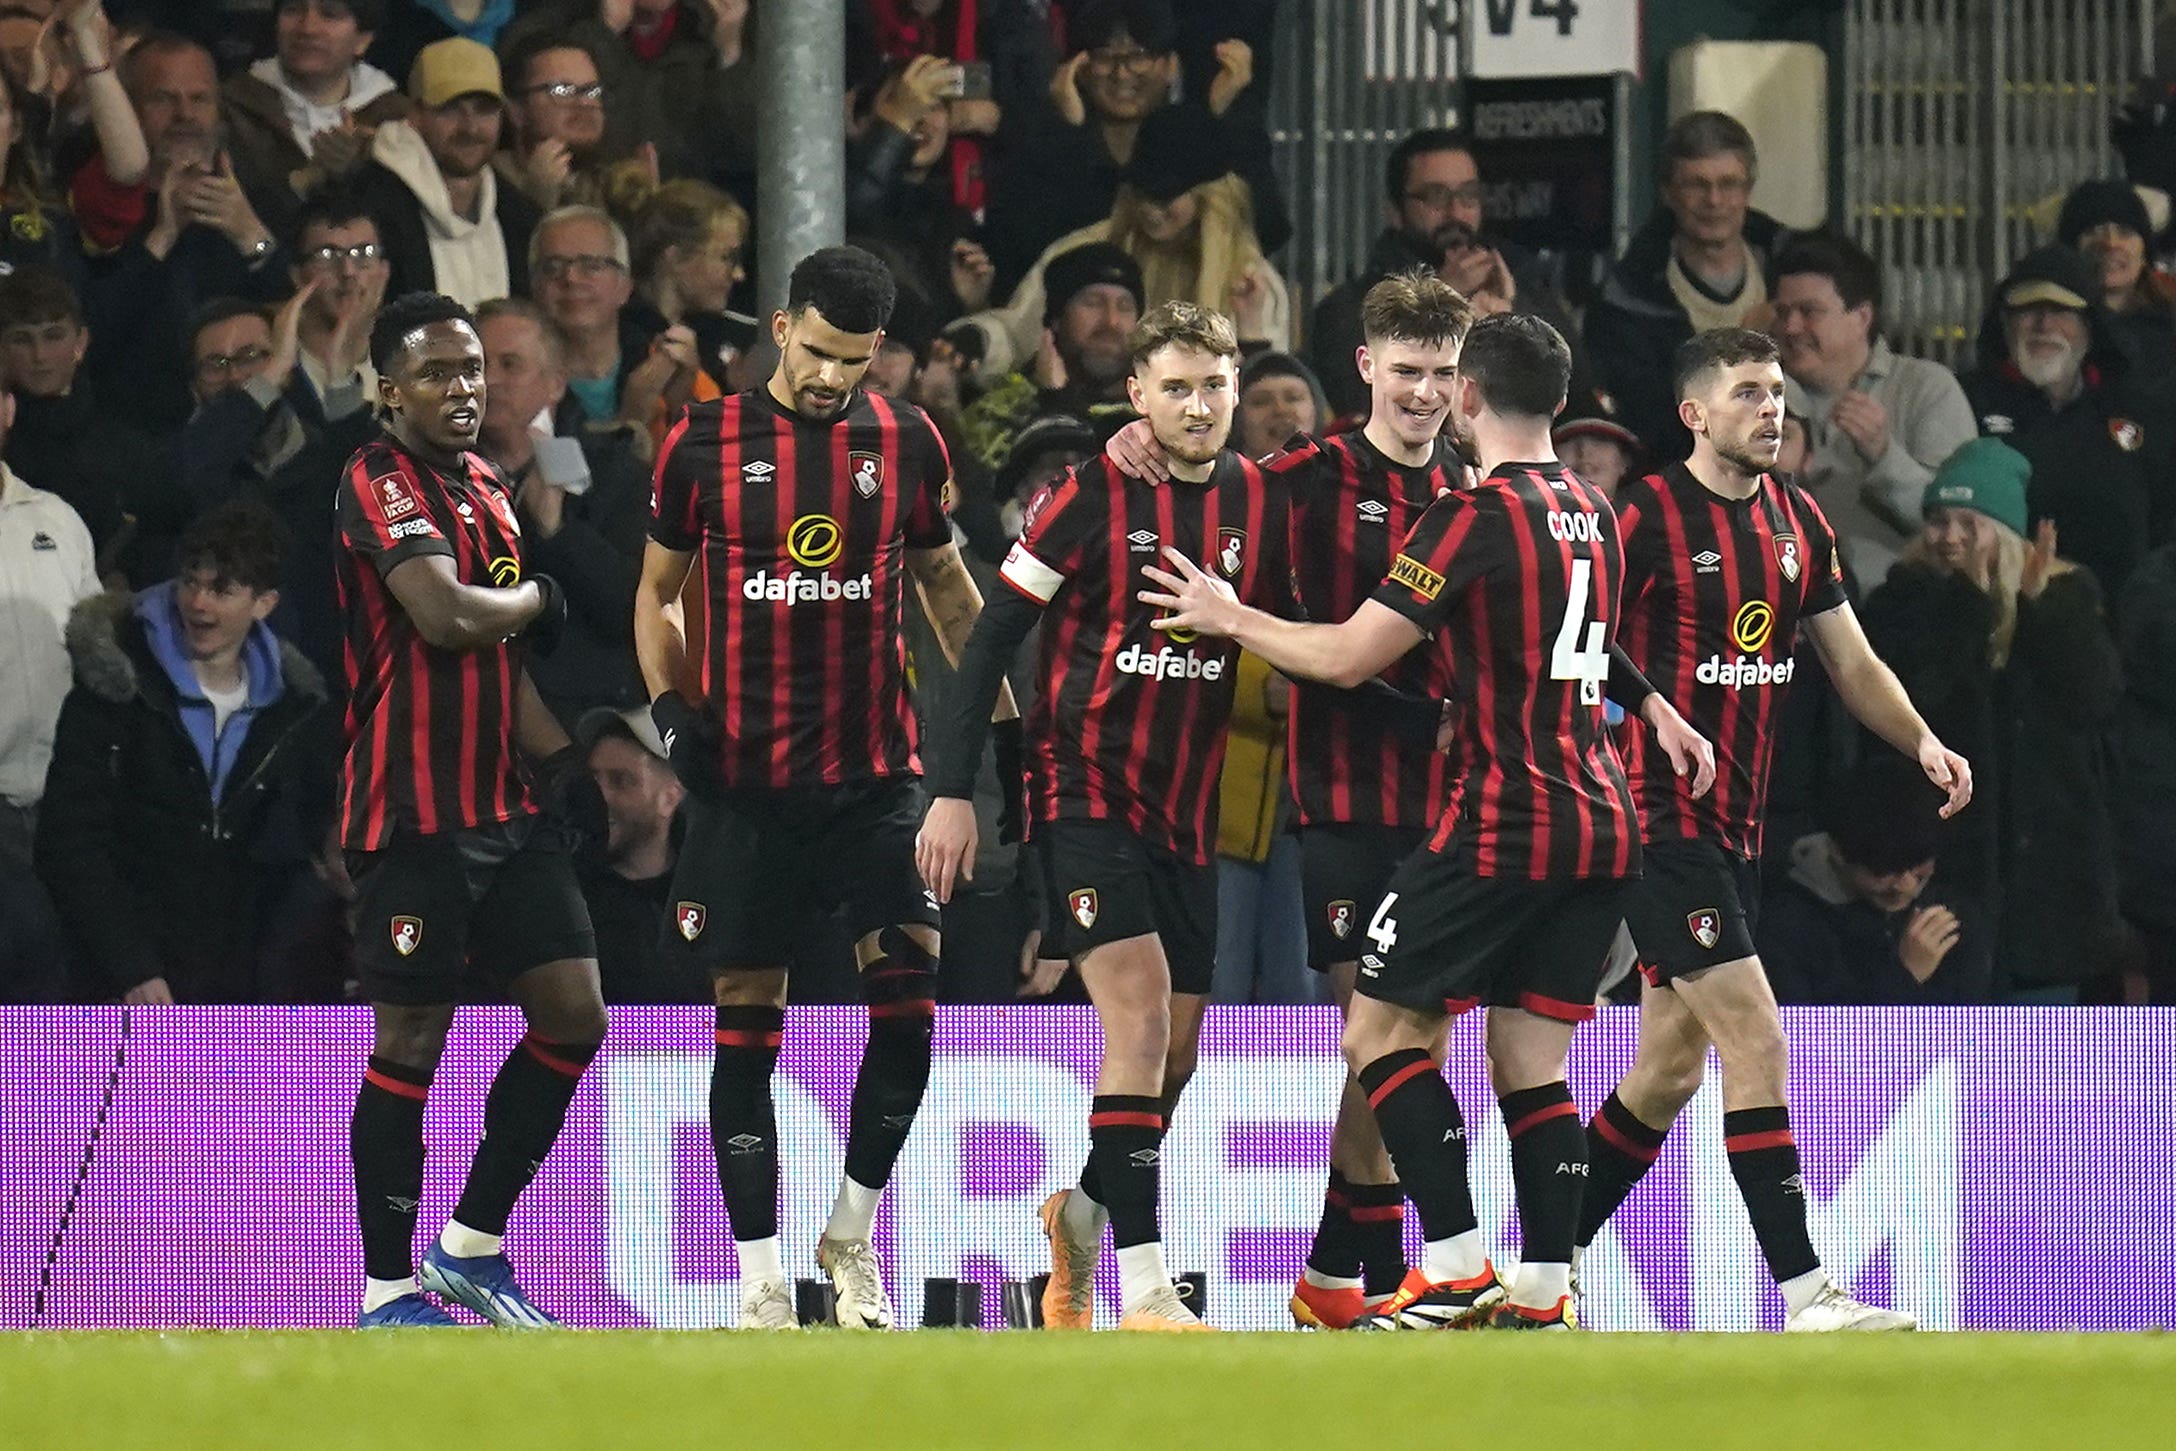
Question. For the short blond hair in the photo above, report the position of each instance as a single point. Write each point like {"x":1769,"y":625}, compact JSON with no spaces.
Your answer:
{"x":1415,"y":307}
{"x":1182,"y":324}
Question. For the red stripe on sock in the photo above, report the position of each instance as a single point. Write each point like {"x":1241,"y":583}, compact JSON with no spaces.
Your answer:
{"x":1336,"y":1199}
{"x":748,"y":1038}
{"x":1452,"y":1007}
{"x":395,"y":1086}
{"x":1542,"y":1115}
{"x":905,"y":1008}
{"x":1747,"y":1143}
{"x":1557,"y":1008}
{"x":541,"y":1052}
{"x":1376,"y":1213}
{"x":1125,"y":1119}
{"x":1396,"y":1080}
{"x":1646,"y":1154}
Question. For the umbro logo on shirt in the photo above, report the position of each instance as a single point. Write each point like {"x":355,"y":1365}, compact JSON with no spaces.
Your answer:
{"x":1707,"y":561}
{"x":1142,"y":540}
{"x":757,"y":471}
{"x":43,"y":542}
{"x":1372,"y":511}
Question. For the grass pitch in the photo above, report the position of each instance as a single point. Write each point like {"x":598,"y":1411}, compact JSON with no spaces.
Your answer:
{"x":465,"y":1389}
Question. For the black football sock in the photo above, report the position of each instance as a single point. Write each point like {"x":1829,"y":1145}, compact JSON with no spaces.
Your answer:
{"x":1378,"y":1221}
{"x":1620,"y":1151}
{"x":743,"y":1119}
{"x":385,"y":1140}
{"x":1335,"y":1253}
{"x":1548,"y":1169}
{"x":1125,"y":1138}
{"x":522,"y":1118}
{"x":1426,"y":1136}
{"x":901,"y":988}
{"x":1764,"y":1161}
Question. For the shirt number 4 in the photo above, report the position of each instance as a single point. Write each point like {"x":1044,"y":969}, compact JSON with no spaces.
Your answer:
{"x":1586,"y":663}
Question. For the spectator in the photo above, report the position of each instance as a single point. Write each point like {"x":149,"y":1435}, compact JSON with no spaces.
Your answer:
{"x":1433,"y":218}
{"x":1854,"y":922}
{"x":1092,"y":299}
{"x":306,"y":114}
{"x":2146,"y":766}
{"x":629,"y":882}
{"x":1594,"y":443}
{"x":1279,"y":396}
{"x":191,"y":774}
{"x":78,"y":80}
{"x":679,"y":74}
{"x":557,"y":106}
{"x":2106,"y":221}
{"x":47,"y":564}
{"x":35,"y":228}
{"x":448,"y":225}
{"x":93,"y":457}
{"x":163,"y":248}
{"x":1700,"y":262}
{"x":686,"y":245}
{"x":2002,"y":647}
{"x":900,"y":195}
{"x":263,"y":432}
{"x":2102,"y":445}
{"x":1261,"y":933}
{"x":991,"y":514}
{"x":1121,"y":72}
{"x":340,"y":262}
{"x":1182,"y":216}
{"x":584,"y":502}
{"x":1879,"y":424}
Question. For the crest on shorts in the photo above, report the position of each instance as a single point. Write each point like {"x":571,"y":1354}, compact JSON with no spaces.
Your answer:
{"x":867,"y":472}
{"x":1083,"y":902}
{"x":689,"y":917}
{"x":1705,"y":925}
{"x":1787,"y":556}
{"x":1231,"y":552}
{"x":2128,"y":436}
{"x":1341,"y":915}
{"x":407,"y":934}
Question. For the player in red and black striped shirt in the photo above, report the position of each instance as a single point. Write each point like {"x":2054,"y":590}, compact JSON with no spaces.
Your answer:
{"x":455,"y":873}
{"x":1725,"y":566}
{"x":802,"y":508}
{"x":1519,"y":894}
{"x":1362,"y":764}
{"x":1125,"y":747}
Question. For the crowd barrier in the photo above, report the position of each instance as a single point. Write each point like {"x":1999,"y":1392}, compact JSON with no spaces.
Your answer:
{"x":1989,"y":1169}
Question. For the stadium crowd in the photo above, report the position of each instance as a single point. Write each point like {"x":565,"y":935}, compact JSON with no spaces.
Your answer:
{"x":207,"y":203}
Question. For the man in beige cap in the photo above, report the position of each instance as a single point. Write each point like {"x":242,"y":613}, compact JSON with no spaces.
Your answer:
{"x":449,"y":226}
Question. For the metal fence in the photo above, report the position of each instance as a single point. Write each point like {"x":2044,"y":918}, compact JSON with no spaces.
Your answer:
{"x":1964,"y":122}
{"x":1352,"y":77}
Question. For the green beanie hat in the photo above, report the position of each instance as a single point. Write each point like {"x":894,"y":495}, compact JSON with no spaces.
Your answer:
{"x":1986,"y":475}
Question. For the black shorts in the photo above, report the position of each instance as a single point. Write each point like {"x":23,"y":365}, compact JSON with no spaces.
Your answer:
{"x":758,"y":867}
{"x":449,"y":917}
{"x":1103,"y":883}
{"x":1344,"y":871}
{"x":1445,"y":940}
{"x":1695,"y":907}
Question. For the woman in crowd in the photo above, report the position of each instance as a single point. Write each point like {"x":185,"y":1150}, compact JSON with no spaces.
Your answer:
{"x":2107,"y":222}
{"x":685,"y":248}
{"x":2005,"y":650}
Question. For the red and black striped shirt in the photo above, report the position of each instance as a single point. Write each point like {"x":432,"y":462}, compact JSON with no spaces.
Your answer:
{"x":1347,"y":759}
{"x":1129,"y":722}
{"x":1518,"y":581}
{"x":430,"y":733}
{"x":802,"y":528}
{"x":1714,"y":590}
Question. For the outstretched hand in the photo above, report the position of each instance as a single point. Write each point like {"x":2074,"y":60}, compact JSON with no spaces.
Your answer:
{"x":1192,"y":599}
{"x":1948,"y":770}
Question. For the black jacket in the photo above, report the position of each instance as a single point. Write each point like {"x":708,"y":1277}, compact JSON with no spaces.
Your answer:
{"x":2146,"y":743}
{"x":149,"y":877}
{"x":406,"y":236}
{"x":108,"y":469}
{"x":1823,"y":946}
{"x":1635,"y":326}
{"x":2037,"y":843}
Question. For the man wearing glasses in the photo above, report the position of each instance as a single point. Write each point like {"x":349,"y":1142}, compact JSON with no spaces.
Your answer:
{"x":1432,"y":220}
{"x":1702,"y":261}
{"x":337,"y":248}
{"x":557,"y":106}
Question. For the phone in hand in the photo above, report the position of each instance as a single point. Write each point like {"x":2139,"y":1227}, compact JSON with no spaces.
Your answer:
{"x":968,"y":81}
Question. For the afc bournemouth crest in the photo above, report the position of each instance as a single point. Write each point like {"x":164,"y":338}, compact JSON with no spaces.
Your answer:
{"x":1341,"y":920}
{"x":1787,"y":556}
{"x":1083,"y":902}
{"x":2128,"y":436}
{"x":1231,"y":552}
{"x":867,"y":472}
{"x":407,"y":934}
{"x":1706,"y":926}
{"x":690,"y":916}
